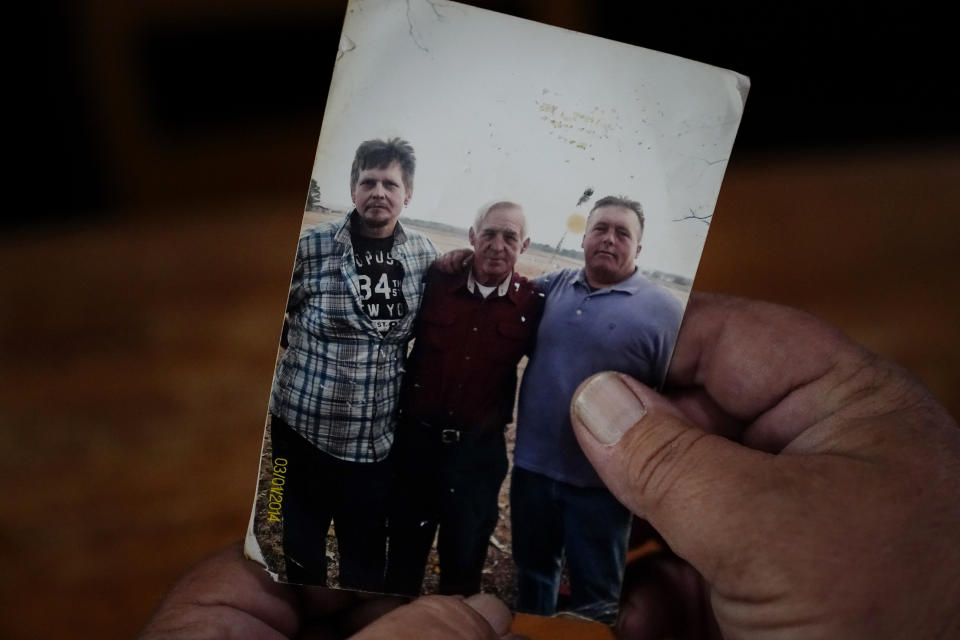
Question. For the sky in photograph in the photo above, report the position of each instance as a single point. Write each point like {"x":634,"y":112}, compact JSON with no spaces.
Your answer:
{"x":502,"y":108}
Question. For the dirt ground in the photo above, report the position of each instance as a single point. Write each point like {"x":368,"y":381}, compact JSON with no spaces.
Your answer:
{"x":497,"y":577}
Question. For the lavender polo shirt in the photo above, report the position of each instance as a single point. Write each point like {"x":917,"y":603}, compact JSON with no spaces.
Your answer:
{"x":629,"y":327}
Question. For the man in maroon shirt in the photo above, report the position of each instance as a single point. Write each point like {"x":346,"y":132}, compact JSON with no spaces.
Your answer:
{"x":456,"y":401}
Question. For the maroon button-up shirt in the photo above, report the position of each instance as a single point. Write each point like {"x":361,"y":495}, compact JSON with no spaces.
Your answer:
{"x":462,"y":373}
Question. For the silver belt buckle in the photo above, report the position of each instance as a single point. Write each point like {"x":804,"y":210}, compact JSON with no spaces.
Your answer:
{"x":449,"y":436}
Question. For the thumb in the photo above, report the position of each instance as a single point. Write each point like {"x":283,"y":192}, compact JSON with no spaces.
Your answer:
{"x":479,"y":617}
{"x":695,"y":488}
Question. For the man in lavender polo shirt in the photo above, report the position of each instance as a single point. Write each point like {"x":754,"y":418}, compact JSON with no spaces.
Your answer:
{"x":605,"y":316}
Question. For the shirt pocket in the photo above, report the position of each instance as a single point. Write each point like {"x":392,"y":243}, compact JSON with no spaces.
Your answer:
{"x":439,"y":328}
{"x":335,"y":308}
{"x":510,"y":340}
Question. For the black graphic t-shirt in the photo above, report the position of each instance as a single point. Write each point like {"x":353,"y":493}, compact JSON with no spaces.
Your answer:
{"x":379,"y":280}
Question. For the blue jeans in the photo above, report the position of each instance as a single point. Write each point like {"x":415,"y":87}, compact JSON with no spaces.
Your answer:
{"x":550,"y":519}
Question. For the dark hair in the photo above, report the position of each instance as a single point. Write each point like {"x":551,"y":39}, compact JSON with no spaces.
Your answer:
{"x":379,"y":154}
{"x":620,"y":201}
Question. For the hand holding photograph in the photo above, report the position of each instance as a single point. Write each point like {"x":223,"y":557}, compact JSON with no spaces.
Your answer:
{"x":564,"y":189}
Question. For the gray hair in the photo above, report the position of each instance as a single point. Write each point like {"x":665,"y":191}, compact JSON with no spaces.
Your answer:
{"x":620,"y":201}
{"x":499,"y":204}
{"x":380,"y":154}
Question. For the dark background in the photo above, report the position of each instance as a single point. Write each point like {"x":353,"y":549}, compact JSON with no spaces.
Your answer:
{"x":159,"y":194}
{"x":139,"y":98}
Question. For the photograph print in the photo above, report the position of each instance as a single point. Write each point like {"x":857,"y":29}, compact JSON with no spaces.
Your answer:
{"x":498,"y":210}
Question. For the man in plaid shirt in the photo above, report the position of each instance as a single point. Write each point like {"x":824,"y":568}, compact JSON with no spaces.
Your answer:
{"x":354,"y":295}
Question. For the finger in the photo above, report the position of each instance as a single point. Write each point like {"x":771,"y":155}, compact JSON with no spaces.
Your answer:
{"x":480,"y":617}
{"x":702,"y":410}
{"x":454,"y":261}
{"x":366,"y":611}
{"x":226,"y":595}
{"x":775,"y":370}
{"x":492,"y":610}
{"x":664,"y":597}
{"x":689,"y":484}
{"x":650,"y":608}
{"x":321,"y":601}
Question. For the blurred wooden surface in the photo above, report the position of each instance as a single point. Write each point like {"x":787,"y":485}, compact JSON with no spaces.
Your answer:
{"x":137,"y":356}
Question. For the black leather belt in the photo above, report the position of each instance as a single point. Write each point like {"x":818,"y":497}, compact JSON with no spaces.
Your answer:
{"x":447,"y":435}
{"x":452,"y":435}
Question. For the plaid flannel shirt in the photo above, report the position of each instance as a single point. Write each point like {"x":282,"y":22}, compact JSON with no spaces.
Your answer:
{"x":338,"y":381}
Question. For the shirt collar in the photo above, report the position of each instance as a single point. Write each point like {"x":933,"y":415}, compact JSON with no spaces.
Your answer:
{"x":631,"y":285}
{"x":501,"y":290}
{"x":344,"y":233}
